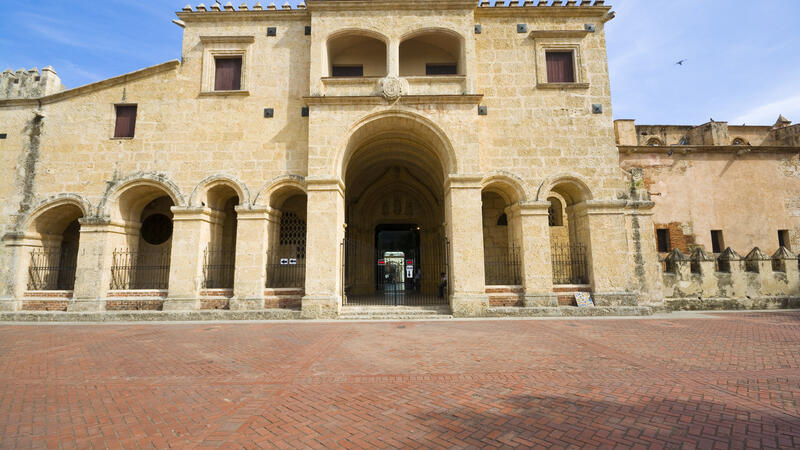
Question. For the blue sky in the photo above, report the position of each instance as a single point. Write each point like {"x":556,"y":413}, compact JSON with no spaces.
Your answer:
{"x":742,"y":56}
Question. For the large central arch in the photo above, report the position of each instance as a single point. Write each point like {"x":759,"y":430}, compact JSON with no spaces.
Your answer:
{"x":394,"y":167}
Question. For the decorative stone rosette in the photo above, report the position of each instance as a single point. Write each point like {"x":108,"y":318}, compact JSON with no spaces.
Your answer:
{"x":392,"y":88}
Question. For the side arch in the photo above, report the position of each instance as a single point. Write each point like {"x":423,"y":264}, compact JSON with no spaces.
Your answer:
{"x":148,"y":183}
{"x":201,"y":190}
{"x":53,"y":202}
{"x":569,"y":185}
{"x":512,"y":188}
{"x":291,"y":182}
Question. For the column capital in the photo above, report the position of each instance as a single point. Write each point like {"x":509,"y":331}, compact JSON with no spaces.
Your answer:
{"x":465,"y":181}
{"x":256,"y":213}
{"x":601,"y":207}
{"x":189,"y":213}
{"x":530,"y":208}
{"x":325,"y":184}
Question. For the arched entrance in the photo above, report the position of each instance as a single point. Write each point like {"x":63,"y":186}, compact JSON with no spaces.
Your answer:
{"x":395,"y":247}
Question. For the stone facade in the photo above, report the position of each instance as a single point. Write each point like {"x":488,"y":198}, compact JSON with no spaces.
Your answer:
{"x":343,"y":119}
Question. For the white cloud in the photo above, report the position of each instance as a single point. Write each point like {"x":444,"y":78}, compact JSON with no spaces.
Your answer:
{"x":767,"y":113}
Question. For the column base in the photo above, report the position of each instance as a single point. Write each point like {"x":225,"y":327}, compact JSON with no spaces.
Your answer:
{"x":86,"y":305}
{"x":615,"y":299}
{"x":10,"y":304}
{"x":540,"y":300}
{"x":181,"y":304}
{"x":321,"y":307}
{"x":469,"y":305}
{"x":246,"y":303}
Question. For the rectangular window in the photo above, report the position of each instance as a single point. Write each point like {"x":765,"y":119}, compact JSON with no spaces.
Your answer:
{"x":717,"y":241}
{"x":126,"y":121}
{"x":662,"y":237}
{"x":560,"y":67}
{"x":783,"y":239}
{"x":347,"y":71}
{"x":441,"y":69}
{"x":228,"y":75}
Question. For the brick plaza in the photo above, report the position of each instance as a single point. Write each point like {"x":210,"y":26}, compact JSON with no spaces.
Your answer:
{"x":716,"y":380}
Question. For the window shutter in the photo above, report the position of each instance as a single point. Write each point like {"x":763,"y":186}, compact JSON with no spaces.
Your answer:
{"x":228,"y":74}
{"x":560,"y":68}
{"x":126,"y":121}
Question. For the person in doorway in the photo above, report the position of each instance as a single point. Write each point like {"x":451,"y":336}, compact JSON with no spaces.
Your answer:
{"x":442,"y":285}
{"x":418,"y":279}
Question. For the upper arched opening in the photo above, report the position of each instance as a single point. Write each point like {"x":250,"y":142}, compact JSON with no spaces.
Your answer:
{"x":357,"y":53}
{"x":432,"y":52}
{"x":398,"y":139}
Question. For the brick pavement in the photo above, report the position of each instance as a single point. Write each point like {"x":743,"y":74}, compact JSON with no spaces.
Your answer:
{"x":722,"y":381}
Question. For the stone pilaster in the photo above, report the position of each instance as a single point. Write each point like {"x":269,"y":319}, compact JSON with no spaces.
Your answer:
{"x":464,"y":223}
{"x":643,"y":251}
{"x":530,"y":225}
{"x":95,"y":257}
{"x":252,"y":242}
{"x":601,"y":225}
{"x":15,"y":262}
{"x":325,"y":233}
{"x":190,"y":234}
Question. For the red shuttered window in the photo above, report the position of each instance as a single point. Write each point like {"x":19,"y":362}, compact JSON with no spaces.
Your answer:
{"x":228,"y":75}
{"x":560,"y":67}
{"x":126,"y":121}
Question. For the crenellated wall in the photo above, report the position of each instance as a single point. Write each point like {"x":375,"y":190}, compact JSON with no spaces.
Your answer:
{"x":29,"y":83}
{"x":730,"y":281}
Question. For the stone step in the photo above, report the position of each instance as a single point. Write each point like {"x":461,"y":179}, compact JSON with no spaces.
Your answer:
{"x":395,"y":313}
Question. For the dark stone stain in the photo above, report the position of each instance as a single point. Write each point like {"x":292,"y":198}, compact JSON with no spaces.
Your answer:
{"x":30,"y":159}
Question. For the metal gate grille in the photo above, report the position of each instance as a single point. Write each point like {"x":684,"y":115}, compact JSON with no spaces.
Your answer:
{"x":52,"y":269}
{"x":370,"y":279}
{"x":286,"y":262}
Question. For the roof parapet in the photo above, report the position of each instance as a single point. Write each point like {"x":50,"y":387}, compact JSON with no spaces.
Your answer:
{"x":26,"y":84}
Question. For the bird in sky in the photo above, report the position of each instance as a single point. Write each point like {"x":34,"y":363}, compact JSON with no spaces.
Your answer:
{"x":680,"y":63}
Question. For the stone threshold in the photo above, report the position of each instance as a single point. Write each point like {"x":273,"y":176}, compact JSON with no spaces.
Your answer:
{"x":569,"y":311}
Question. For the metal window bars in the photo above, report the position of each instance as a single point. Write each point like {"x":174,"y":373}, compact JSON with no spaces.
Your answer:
{"x":569,"y":264}
{"x":503,"y":266}
{"x":52,"y":269}
{"x":284,"y":272}
{"x":218,"y":268}
{"x":145,"y":269}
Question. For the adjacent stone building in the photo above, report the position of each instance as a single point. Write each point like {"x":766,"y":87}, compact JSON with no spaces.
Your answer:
{"x":391,"y":152}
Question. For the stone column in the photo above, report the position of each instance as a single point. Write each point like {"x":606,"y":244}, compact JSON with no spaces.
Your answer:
{"x":325,"y":233}
{"x":190,"y":235}
{"x":601,"y":226}
{"x":464,"y":224}
{"x":16,"y":256}
{"x":393,"y":59}
{"x":530,"y":222}
{"x":95,"y":257}
{"x":252,"y":242}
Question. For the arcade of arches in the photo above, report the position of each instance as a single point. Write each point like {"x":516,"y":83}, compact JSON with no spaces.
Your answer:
{"x":406,"y":237}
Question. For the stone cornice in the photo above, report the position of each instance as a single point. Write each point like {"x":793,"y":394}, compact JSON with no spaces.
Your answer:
{"x":541,"y":34}
{"x":373,"y":5}
{"x":688,"y":149}
{"x":94,"y":87}
{"x":237,"y":16}
{"x":245,"y":39}
{"x":406,"y":100}
{"x":543,"y":11}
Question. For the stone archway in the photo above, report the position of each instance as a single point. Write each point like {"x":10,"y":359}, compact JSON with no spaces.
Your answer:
{"x":395,"y":245}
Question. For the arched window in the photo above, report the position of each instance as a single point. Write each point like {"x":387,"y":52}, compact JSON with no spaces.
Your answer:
{"x":684,"y":141}
{"x":431,"y":53}
{"x":739,"y":141}
{"x":654,"y":142}
{"x":356,"y":55}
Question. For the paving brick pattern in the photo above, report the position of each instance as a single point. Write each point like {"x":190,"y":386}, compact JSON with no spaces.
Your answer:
{"x":721,"y":381}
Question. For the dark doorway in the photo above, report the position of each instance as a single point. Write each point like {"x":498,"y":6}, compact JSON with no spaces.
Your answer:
{"x":396,"y":270}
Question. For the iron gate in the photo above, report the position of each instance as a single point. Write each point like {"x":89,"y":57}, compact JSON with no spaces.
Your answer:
{"x":371,"y":279}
